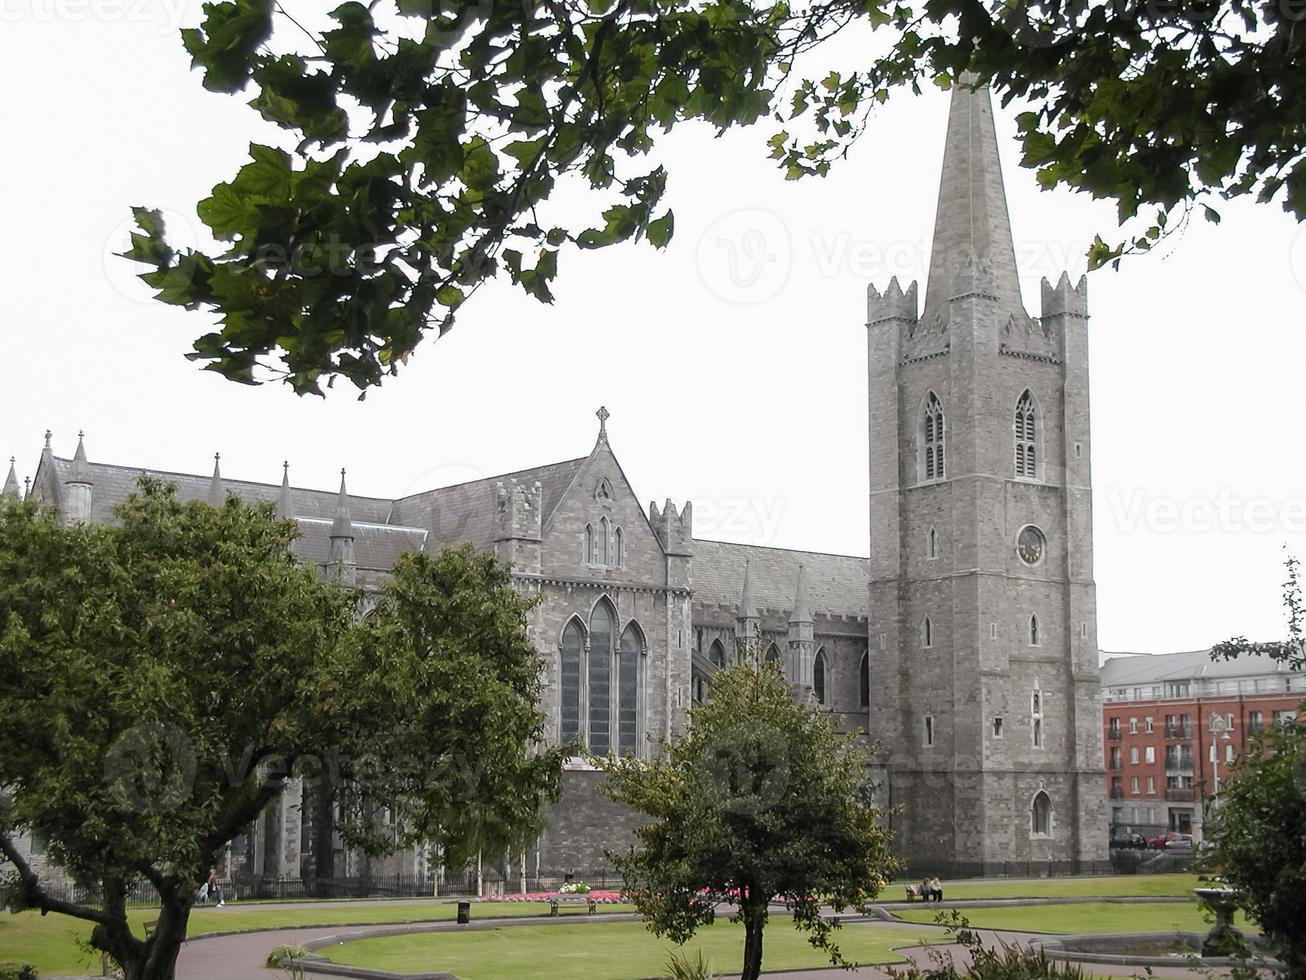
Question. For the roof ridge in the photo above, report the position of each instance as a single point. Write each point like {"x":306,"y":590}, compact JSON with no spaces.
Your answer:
{"x":497,"y":476}
{"x":794,"y":551}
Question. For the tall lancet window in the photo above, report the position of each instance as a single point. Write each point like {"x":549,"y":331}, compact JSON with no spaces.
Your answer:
{"x":570,"y":682}
{"x":1026,"y":431}
{"x":818,"y":676}
{"x":632,"y":649}
{"x":932,"y":439}
{"x":600,"y":679}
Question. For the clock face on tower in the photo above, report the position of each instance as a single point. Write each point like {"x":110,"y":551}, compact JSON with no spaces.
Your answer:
{"x":1031,"y":545}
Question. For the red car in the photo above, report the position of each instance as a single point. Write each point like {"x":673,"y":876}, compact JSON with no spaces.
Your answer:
{"x":1162,"y":841}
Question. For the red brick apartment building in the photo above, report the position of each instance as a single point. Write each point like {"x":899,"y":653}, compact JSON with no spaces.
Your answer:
{"x":1173,"y":725}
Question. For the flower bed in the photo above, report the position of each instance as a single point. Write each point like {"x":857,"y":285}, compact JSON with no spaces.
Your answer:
{"x":599,"y":897}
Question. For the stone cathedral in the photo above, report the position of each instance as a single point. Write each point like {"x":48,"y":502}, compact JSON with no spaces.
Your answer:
{"x":965,"y":645}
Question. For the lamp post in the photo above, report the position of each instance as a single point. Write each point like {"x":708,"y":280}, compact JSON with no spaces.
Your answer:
{"x":1219,"y":733}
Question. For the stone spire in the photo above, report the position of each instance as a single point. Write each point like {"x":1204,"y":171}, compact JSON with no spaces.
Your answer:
{"x":217,"y":489}
{"x":801,"y":613}
{"x":11,"y":482}
{"x":283,"y":500}
{"x":798,"y":666}
{"x":971,"y":226}
{"x":746,"y":621}
{"x":78,"y":486}
{"x":342,"y":539}
{"x":81,"y":471}
{"x":343,"y":526}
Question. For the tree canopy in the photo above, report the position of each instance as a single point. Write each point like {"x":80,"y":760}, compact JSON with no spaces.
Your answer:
{"x":1259,"y":825}
{"x":424,"y":140}
{"x":162,"y":678}
{"x":760,"y":800}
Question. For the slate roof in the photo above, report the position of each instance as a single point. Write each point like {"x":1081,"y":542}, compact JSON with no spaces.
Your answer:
{"x":465,"y":511}
{"x":113,"y":484}
{"x":836,"y":585}
{"x":376,"y":546}
{"x":1128,"y":669}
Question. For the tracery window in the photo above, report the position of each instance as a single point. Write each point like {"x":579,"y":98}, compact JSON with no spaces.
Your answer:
{"x":600,"y":679}
{"x":934,"y":467}
{"x":1026,"y":432}
{"x":717,"y":654}
{"x":628,"y":671}
{"x":569,"y":681}
{"x":818,"y":677}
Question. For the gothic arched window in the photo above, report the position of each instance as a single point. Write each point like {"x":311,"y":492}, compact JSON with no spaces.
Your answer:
{"x":601,"y":545}
{"x":600,"y":679}
{"x":864,"y":680}
{"x":628,"y":671}
{"x":818,"y":676}
{"x":618,"y":548}
{"x":717,"y":654}
{"x":589,"y":544}
{"x":932,"y":544}
{"x":569,"y":682}
{"x":1040,"y":815}
{"x":773,"y":654}
{"x":1033,"y":631}
{"x":927,"y":633}
{"x":932,"y":439}
{"x":1026,"y":432}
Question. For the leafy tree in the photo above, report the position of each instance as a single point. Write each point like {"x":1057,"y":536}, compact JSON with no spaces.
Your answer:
{"x":162,"y":678}
{"x":758,"y":801}
{"x":1260,"y":838}
{"x":429,"y":137}
{"x":1260,"y":817}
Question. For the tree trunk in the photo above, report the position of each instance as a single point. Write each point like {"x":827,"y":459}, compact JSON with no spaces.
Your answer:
{"x":754,"y":915}
{"x":156,"y":958}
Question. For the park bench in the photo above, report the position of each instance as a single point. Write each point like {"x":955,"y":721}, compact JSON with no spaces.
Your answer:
{"x":572,"y":899}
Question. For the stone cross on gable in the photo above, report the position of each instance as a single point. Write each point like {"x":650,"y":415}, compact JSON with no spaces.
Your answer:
{"x":603,"y":416}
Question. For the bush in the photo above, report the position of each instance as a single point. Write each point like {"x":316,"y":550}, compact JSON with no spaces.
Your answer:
{"x":18,"y":971}
{"x":1003,"y":963}
{"x":281,"y":957}
{"x":680,"y":968}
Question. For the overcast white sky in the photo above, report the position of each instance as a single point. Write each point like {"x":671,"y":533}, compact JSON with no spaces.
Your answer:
{"x":748,"y":397}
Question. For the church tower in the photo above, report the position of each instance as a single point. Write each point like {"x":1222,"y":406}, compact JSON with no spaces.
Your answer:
{"x":983,"y":648}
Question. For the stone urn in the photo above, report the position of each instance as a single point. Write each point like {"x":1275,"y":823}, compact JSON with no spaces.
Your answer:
{"x":1223,"y":938}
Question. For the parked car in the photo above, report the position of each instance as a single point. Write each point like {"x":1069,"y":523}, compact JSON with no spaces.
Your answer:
{"x":1179,"y":842}
{"x":1129,"y":841}
{"x":1162,"y":841}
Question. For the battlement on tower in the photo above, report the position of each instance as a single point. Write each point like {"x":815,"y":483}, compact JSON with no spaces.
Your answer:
{"x":1065,"y":299}
{"x":894,"y":303}
{"x":674,"y":530}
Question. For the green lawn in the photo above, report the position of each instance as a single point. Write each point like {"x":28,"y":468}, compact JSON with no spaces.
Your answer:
{"x":1118,"y":886}
{"x":608,"y":951}
{"x":1090,"y":917}
{"x":51,"y":943}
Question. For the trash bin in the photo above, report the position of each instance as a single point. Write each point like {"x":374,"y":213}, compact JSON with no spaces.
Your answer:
{"x":464,"y":913}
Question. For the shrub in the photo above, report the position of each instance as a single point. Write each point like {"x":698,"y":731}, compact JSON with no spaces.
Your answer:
{"x":1002,"y":963}
{"x":681,"y":968}
{"x":18,"y":971}
{"x":283,"y":957}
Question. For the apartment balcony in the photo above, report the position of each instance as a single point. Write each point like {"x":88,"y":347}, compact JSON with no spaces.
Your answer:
{"x":1117,"y":793}
{"x":1180,"y":795}
{"x":1113,"y":734}
{"x":1184,"y":767}
{"x":1179,"y":732}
